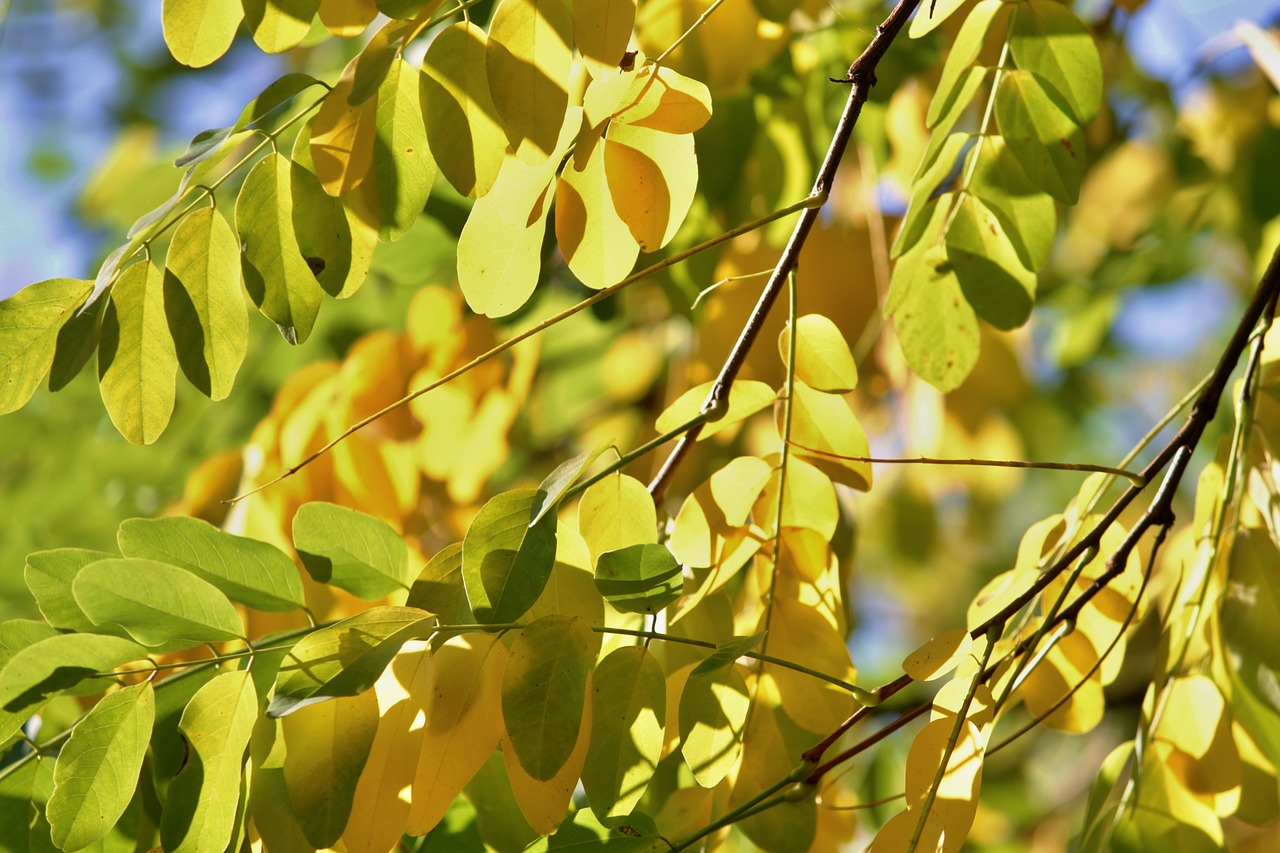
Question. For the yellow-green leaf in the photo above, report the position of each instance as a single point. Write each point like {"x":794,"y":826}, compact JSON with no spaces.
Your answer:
{"x":199,"y":815}
{"x":713,"y":712}
{"x":50,"y":665}
{"x":30,"y":321}
{"x":931,"y":14}
{"x":596,"y":243}
{"x":628,"y":714}
{"x":401,"y":161}
{"x":825,"y":431}
{"x":269,"y":804}
{"x":938,"y":656}
{"x":528,"y":55}
{"x":652,"y":176}
{"x":992,"y":277}
{"x":97,"y":769}
{"x":615,"y":512}
{"x":334,"y":239}
{"x":275,"y":273}
{"x":278,"y":25}
{"x":1047,"y":142}
{"x":601,"y":32}
{"x":199,"y":31}
{"x":823,"y":359}
{"x":507,"y":557}
{"x":745,"y":398}
{"x":1048,"y":40}
{"x":798,"y":632}
{"x":964,"y":52}
{"x":203,"y":300}
{"x":662,"y":99}
{"x":137,"y":362}
{"x":343,"y":137}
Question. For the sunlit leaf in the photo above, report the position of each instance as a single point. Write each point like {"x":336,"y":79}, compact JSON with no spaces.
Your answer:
{"x":401,"y":161}
{"x":597,"y":244}
{"x":137,"y":362}
{"x":662,"y":99}
{"x":506,"y":557}
{"x":615,"y":512}
{"x":30,"y":321}
{"x":713,"y":713}
{"x":798,"y":632}
{"x":827,"y":433}
{"x":1027,"y":215}
{"x":49,"y":575}
{"x":347,"y":18}
{"x":351,"y":550}
{"x":642,"y":578}
{"x":199,"y":31}
{"x":269,"y":804}
{"x":810,"y":499}
{"x":938,"y":656}
{"x":1052,"y":43}
{"x":823,"y":359}
{"x":563,"y":477}
{"x":335,"y":240}
{"x":326,"y":747}
{"x":1061,"y":672}
{"x":528,"y":55}
{"x":1046,"y":141}
{"x":652,"y":176}
{"x":440,"y":589}
{"x":964,"y":52}
{"x":745,"y":398}
{"x":931,"y":14}
{"x":278,"y":25}
{"x":343,"y":137}
{"x":629,"y":711}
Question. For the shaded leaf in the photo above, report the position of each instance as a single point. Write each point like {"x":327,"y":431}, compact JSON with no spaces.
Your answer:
{"x":1048,"y":40}
{"x":507,"y":557}
{"x":402,"y":163}
{"x":713,"y":714}
{"x":629,"y":711}
{"x":642,"y":578}
{"x":351,"y":550}
{"x":528,"y":54}
{"x":1046,"y":141}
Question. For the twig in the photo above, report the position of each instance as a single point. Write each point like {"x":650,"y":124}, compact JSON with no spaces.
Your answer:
{"x":1131,"y":476}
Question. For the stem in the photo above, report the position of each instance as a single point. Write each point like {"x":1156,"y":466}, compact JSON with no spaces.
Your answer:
{"x":701,"y":19}
{"x":628,"y":458}
{"x":1131,"y":476}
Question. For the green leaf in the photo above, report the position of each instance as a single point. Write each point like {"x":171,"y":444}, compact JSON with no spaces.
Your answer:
{"x":274,"y":96}
{"x":926,"y":183}
{"x":937,"y":329}
{"x":204,"y":303}
{"x":584,"y":832}
{"x":97,"y":770}
{"x":726,"y":653}
{"x":1027,"y":214}
{"x":1037,"y":129}
{"x":269,"y":804}
{"x":544,"y":691}
{"x":641,"y":578}
{"x":564,"y":476}
{"x":996,"y":284}
{"x":247,"y":571}
{"x":931,"y":14}
{"x":155,"y":603}
{"x":59,"y":663}
{"x":351,"y":550}
{"x":1048,"y":40}
{"x":628,"y":714}
{"x":275,"y":273}
{"x":49,"y":575}
{"x":439,"y":588}
{"x":346,"y":658}
{"x":506,"y":557}
{"x":278,"y":25}
{"x":713,"y":714}
{"x":964,"y":52}
{"x":402,"y":162}
{"x":17,"y":634}
{"x":199,"y":814}
{"x":30,"y":321}
{"x":201,"y":147}
{"x":137,"y":362}
{"x":77,"y":342}
{"x":199,"y":31}
{"x":326,"y":748}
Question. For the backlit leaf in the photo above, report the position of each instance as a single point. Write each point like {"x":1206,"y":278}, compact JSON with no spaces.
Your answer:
{"x":629,"y":711}
{"x":401,"y":161}
{"x":351,"y":550}
{"x":823,"y":359}
{"x":543,"y":691}
{"x":563,"y":477}
{"x":246,"y":570}
{"x":204,"y":303}
{"x":506,"y":557}
{"x":343,"y":136}
{"x":29,"y":324}
{"x":199,"y":31}
{"x":823,"y":430}
{"x":203,"y":798}
{"x":713,"y":713}
{"x":1048,"y":40}
{"x":276,"y":94}
{"x":652,"y":176}
{"x":439,"y":588}
{"x":1027,"y":215}
{"x":601,"y":32}
{"x":596,"y":243}
{"x":528,"y":55}
{"x":49,"y":575}
{"x":931,"y":14}
{"x":798,"y":632}
{"x":61,"y":662}
{"x":727,"y":651}
{"x":278,"y":25}
{"x":269,"y":804}
{"x":745,"y":398}
{"x":662,"y":99}
{"x":137,"y":363}
{"x":1062,"y":672}
{"x":326,"y":747}
{"x":1046,"y":141}
{"x":347,"y":18}
{"x":335,"y":240}
{"x":642,"y":578}
{"x":544,"y":803}
{"x":938,"y":656}
{"x":97,"y":769}
{"x":615,"y":512}
{"x":964,"y":52}
{"x":810,"y":499}
{"x":994,"y":281}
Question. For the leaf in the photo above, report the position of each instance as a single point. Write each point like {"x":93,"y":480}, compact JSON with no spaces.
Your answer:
{"x":563,"y":477}
{"x":653,"y":177}
{"x":326,"y":747}
{"x":346,"y":658}
{"x":347,"y":18}
{"x":275,"y":273}
{"x":628,"y":713}
{"x":1027,"y":215}
{"x":823,"y":359}
{"x":602,"y":31}
{"x":662,"y":99}
{"x":77,"y":340}
{"x":137,"y":363}
{"x":351,"y":550}
{"x":727,"y":651}
{"x":275,"y":95}
{"x":49,"y":575}
{"x":250,"y":572}
{"x":462,"y":124}
{"x":931,"y":14}
{"x":810,"y":499}
{"x":278,"y":25}
{"x":462,"y":727}
{"x":825,"y":424}
{"x":30,"y":321}
{"x":402,"y":163}
{"x":597,"y":244}
{"x":97,"y":769}
{"x":543,"y":691}
{"x":938,"y":656}
{"x":956,"y":801}
{"x":528,"y":55}
{"x":798,"y":632}
{"x":745,"y":398}
{"x":1059,"y":689}
{"x":642,"y":578}
{"x":507,"y":557}
{"x":770,"y":746}
{"x":155,"y":603}
{"x":269,"y":804}
{"x":544,"y":804}
{"x":964,"y":52}
{"x":343,"y":135}
{"x":440,"y":589}
{"x":713,"y":714}
{"x":1044,"y":139}
{"x":615,"y":512}
{"x":334,"y":240}
{"x":1048,"y":40}
{"x":994,"y":281}
{"x":199,"y":31}
{"x":937,"y":329}
{"x":204,"y":303}
{"x":928,"y":178}
{"x":202,"y":804}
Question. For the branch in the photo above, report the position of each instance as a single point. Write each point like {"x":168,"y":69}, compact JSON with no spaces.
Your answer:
{"x":861,"y":77}
{"x":1136,"y":479}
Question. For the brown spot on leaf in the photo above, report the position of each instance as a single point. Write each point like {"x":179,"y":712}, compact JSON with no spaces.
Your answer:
{"x":316,"y":265}
{"x":1066,"y":143}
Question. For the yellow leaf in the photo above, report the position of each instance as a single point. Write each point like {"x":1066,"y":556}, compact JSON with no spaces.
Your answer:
{"x":1204,"y":759}
{"x":938,"y":656}
{"x":200,"y":31}
{"x":810,"y":500}
{"x":770,"y":750}
{"x":713,"y":712}
{"x":956,"y":801}
{"x":662,"y":99}
{"x":269,"y":805}
{"x":823,"y":359}
{"x":462,"y":122}
{"x":544,"y":804}
{"x":615,"y":512}
{"x":949,"y":698}
{"x":805,"y":552}
{"x":746,"y":397}
{"x":605,"y":95}
{"x":735,"y":487}
{"x":380,"y":809}
{"x":137,"y":361}
{"x":463,"y":725}
{"x":895,"y":836}
{"x":931,"y":15}
{"x":528,"y":56}
{"x":278,"y":25}
{"x":601,"y":32}
{"x":1059,"y":672}
{"x":798,"y":633}
{"x":342,"y":137}
{"x":347,"y":18}
{"x":653,"y":177}
{"x":597,"y":245}
{"x":712,"y":512}
{"x":826,"y":432}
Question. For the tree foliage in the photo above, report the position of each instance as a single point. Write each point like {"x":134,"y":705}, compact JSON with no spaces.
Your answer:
{"x":430,"y":604}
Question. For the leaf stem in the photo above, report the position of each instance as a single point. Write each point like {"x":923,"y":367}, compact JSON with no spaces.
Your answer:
{"x":1131,"y":476}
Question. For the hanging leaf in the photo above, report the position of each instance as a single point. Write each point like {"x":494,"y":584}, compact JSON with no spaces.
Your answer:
{"x":726,"y":653}
{"x":30,"y":321}
{"x":1048,"y":40}
{"x":97,"y":769}
{"x":204,"y":303}
{"x":347,"y":18}
{"x":137,"y":362}
{"x":528,"y":55}
{"x":155,"y":603}
{"x":199,"y":815}
{"x":49,"y":575}
{"x":543,"y":692}
{"x":335,"y":241}
{"x":964,"y":52}
{"x":347,"y":658}
{"x":653,"y":177}
{"x":1027,"y":216}
{"x":61,"y":662}
{"x":1046,"y":141}
{"x":602,"y":31}
{"x":276,"y":94}
{"x":615,"y":512}
{"x":713,"y":712}
{"x":799,"y":632}
{"x":402,"y":163}
{"x":507,"y":557}
{"x":641,"y":578}
{"x":597,"y":244}
{"x":245,"y":570}
{"x":931,"y":15}
{"x":269,"y":803}
{"x":351,"y":550}
{"x":823,"y":359}
{"x":629,"y":710}
{"x":440,"y":589}
{"x":200,"y":31}
{"x":824,"y":424}
{"x":278,"y":25}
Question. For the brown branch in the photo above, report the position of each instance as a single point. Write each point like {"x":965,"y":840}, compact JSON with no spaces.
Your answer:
{"x":861,"y":77}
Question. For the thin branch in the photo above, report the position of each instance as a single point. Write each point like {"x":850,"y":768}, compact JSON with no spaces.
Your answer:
{"x":1131,"y":476}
